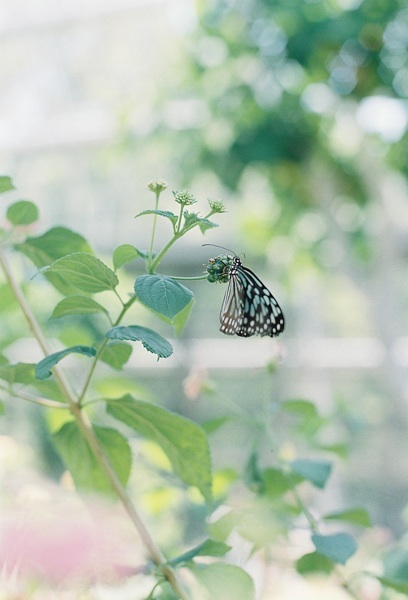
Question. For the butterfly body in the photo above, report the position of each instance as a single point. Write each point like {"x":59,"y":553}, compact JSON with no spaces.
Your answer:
{"x":249,"y":308}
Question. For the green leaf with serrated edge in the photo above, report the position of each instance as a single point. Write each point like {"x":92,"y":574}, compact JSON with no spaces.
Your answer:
{"x":116,"y":355}
{"x":123,"y":255}
{"x":53,"y":244}
{"x":315,"y":471}
{"x":77,"y":305}
{"x":314,"y":562}
{"x":163,"y":295}
{"x":183,"y":441}
{"x":339,"y":547}
{"x":209,"y":547}
{"x":161,"y":213}
{"x":275,"y":483}
{"x":81,"y":462}
{"x":84,"y":272}
{"x":43,"y":368}
{"x":223,"y":581}
{"x":22,"y":212}
{"x":152,"y":341}
{"x":355,"y":516}
{"x":398,"y":586}
{"x":6,"y":185}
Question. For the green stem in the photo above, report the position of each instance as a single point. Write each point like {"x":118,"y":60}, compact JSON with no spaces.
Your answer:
{"x":163,"y":251}
{"x":200,"y":278}
{"x":149,"y":260}
{"x":86,"y":428}
{"x":34,"y":399}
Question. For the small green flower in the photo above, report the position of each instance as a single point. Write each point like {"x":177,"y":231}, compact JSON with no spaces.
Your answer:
{"x":217,"y":206}
{"x":184,"y":197}
{"x":157,"y":186}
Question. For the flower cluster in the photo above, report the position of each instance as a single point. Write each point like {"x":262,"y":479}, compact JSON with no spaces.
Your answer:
{"x":218,"y":269}
{"x":216,"y":206}
{"x":184,"y":197}
{"x":157,"y":186}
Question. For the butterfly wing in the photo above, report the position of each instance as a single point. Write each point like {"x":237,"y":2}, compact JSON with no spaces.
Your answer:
{"x":249,"y":308}
{"x":262,"y":314}
{"x":232,"y":309}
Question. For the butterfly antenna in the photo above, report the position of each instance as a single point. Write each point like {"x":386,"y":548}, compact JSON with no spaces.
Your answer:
{"x":222,"y":248}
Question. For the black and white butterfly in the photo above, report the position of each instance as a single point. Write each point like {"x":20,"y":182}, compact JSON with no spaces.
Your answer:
{"x":249,"y":308}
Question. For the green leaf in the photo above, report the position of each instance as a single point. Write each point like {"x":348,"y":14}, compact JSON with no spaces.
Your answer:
{"x":181,"y":318}
{"x":315,"y":471}
{"x":77,"y":305}
{"x":398,"y":586}
{"x":338,"y":547}
{"x":205,"y":224}
{"x":396,"y":564}
{"x":22,"y":212}
{"x":6,"y":185}
{"x":84,"y":272}
{"x":355,"y":516}
{"x":18,"y":373}
{"x":209,"y":547}
{"x":302,"y":408}
{"x":43,"y":368}
{"x":314,"y":563}
{"x":81,"y":461}
{"x":163,"y":295}
{"x":124,"y":254}
{"x":223,"y":581}
{"x":50,"y":246}
{"x":275,"y":483}
{"x":152,"y":341}
{"x":161,"y":213}
{"x":183,"y":441}
{"x":116,"y":354}
{"x":53,"y":244}
{"x":213,"y":425}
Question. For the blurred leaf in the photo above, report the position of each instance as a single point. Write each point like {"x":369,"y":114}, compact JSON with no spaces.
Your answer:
{"x":163,"y":295}
{"x":396,"y":564}
{"x":77,"y":305}
{"x":152,"y":341}
{"x":18,"y":373}
{"x":314,"y":563}
{"x":81,"y":462}
{"x":43,"y":368}
{"x":124,"y":254}
{"x":53,"y":244}
{"x":183,"y":441}
{"x":337,"y":547}
{"x":209,"y":547}
{"x":6,"y":185}
{"x":116,"y":354}
{"x":84,"y":272}
{"x":341,"y":450}
{"x":223,"y":581}
{"x":22,"y":212}
{"x":315,"y":471}
{"x":398,"y":586}
{"x":275,"y":483}
{"x":161,"y":213}
{"x":214,"y":424}
{"x":355,"y":516}
{"x":302,"y":408}
{"x":7,"y":298}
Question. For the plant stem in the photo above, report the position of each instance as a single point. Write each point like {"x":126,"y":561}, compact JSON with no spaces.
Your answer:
{"x":149,"y":261}
{"x":86,"y":428}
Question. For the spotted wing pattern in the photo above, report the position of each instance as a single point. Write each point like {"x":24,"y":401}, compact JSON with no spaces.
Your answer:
{"x":248,"y":307}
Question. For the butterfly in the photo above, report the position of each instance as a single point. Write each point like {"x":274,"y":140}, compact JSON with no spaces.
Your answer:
{"x":248,"y":308}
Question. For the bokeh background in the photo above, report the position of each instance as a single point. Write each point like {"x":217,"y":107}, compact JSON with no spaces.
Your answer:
{"x":295,"y":113}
